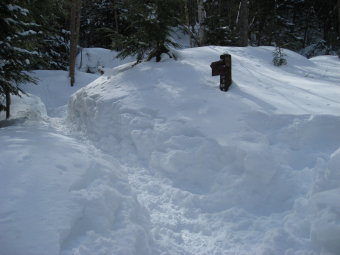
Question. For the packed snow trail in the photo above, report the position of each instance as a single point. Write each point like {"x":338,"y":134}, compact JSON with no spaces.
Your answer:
{"x":156,"y":160}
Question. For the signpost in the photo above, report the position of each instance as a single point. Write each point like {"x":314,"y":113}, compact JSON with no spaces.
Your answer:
{"x":223,"y":68}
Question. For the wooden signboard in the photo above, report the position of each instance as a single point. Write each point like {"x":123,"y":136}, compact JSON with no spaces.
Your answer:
{"x":223,"y":68}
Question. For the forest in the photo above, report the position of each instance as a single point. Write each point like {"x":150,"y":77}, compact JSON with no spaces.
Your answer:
{"x":48,"y":34}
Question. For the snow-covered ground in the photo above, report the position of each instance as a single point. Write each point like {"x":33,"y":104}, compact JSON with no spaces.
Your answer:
{"x":155,"y":159}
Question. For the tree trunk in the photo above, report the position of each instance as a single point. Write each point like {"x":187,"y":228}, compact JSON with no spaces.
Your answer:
{"x":339,"y":17}
{"x":74,"y":37}
{"x":243,"y":23}
{"x":307,"y":20}
{"x":338,"y":27}
{"x":186,"y":13}
{"x":188,"y":24}
{"x":116,"y":16}
{"x":8,"y":104}
{"x":201,"y":17}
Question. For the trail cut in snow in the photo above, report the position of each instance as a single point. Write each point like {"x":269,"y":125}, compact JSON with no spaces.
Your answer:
{"x":58,"y":194}
{"x":250,"y":171}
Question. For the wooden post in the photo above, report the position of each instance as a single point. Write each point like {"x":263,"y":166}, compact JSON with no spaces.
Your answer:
{"x":227,"y":79}
{"x":223,"y":68}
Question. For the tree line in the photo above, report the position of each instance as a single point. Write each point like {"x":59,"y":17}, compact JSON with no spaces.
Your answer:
{"x":46,"y":34}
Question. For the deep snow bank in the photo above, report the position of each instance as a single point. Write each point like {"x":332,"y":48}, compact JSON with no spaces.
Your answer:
{"x":59,"y":196}
{"x":254,"y":169}
{"x":26,"y":107}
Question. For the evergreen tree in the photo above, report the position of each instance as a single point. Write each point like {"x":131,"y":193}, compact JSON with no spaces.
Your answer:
{"x":53,"y":42}
{"x":149,"y":31}
{"x":262,"y":19}
{"x":99,"y":20}
{"x":16,"y":53}
{"x":327,"y":14}
{"x":279,"y":57}
{"x":220,"y":22}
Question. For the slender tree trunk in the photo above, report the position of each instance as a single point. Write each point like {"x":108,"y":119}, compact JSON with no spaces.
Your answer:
{"x":243,"y":22}
{"x":8,"y":104}
{"x":116,"y":16}
{"x":339,"y":17}
{"x":186,"y":13}
{"x":238,"y":13}
{"x":338,"y":27}
{"x":201,"y":17}
{"x":74,"y":37}
{"x":189,"y":28}
{"x":73,"y":45}
{"x":305,"y":37}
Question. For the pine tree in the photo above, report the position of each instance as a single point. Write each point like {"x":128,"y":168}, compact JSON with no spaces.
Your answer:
{"x":262,"y":18}
{"x":149,"y":31}
{"x":220,"y":23}
{"x":307,"y":26}
{"x":16,"y":32}
{"x":279,"y":57}
{"x":53,"y":43}
{"x":99,"y":20}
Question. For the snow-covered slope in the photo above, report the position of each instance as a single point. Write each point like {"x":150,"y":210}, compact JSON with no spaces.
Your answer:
{"x":242,"y":172}
{"x":155,"y":159}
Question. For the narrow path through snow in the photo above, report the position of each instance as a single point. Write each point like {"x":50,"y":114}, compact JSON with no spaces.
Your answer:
{"x":60,"y":195}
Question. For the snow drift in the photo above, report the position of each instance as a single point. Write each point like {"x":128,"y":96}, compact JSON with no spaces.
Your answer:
{"x":253,"y":170}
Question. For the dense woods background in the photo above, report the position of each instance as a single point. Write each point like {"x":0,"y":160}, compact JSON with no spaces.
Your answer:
{"x":38,"y":34}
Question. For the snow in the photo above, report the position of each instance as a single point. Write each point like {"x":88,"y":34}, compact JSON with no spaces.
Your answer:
{"x":58,"y":194}
{"x":155,"y":159}
{"x":27,"y":33}
{"x":21,"y":10}
{"x":90,"y":59}
{"x":51,"y":200}
{"x":54,"y":88}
